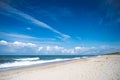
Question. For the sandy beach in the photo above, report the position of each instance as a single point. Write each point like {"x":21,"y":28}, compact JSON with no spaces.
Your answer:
{"x":106,"y":67}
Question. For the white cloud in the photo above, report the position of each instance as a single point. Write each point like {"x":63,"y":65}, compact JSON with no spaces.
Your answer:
{"x":68,"y":51}
{"x":48,"y":48}
{"x":12,"y":11}
{"x":82,"y":48}
{"x":30,"y":48}
{"x":31,"y":45}
{"x":40,"y":48}
{"x":3,"y":42}
{"x":63,"y":50}
{"x":21,"y":44}
{"x":78,"y":48}
{"x":17,"y":47}
{"x":53,"y":49}
{"x":58,"y":48}
{"x":17,"y":44}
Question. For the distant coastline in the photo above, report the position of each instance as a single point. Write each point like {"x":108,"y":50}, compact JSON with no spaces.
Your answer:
{"x":114,"y":53}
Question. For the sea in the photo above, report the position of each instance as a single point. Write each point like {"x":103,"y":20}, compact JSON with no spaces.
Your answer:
{"x":17,"y":61}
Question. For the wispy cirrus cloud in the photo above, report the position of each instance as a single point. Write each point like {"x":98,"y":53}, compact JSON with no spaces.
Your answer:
{"x":13,"y":12}
{"x":24,"y":38}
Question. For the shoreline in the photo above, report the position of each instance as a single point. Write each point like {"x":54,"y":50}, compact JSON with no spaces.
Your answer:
{"x":105,"y":67}
{"x":45,"y":64}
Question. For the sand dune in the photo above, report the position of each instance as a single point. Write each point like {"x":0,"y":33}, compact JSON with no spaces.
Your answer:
{"x":99,"y":68}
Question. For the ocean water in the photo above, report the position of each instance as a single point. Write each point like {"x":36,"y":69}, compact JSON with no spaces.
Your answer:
{"x":15,"y":61}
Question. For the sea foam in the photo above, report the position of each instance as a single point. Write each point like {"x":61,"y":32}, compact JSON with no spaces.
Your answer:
{"x":24,"y":62}
{"x":27,"y":59}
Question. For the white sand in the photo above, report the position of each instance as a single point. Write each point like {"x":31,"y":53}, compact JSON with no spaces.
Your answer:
{"x":99,"y":68}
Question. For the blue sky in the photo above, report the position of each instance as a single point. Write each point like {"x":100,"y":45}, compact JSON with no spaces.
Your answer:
{"x":59,"y":26}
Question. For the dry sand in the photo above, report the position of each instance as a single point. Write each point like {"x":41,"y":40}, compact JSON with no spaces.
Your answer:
{"x":99,"y":68}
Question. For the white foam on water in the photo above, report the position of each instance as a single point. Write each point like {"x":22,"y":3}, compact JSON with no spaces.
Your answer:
{"x":84,"y":57}
{"x":27,"y":59}
{"x":28,"y":63}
